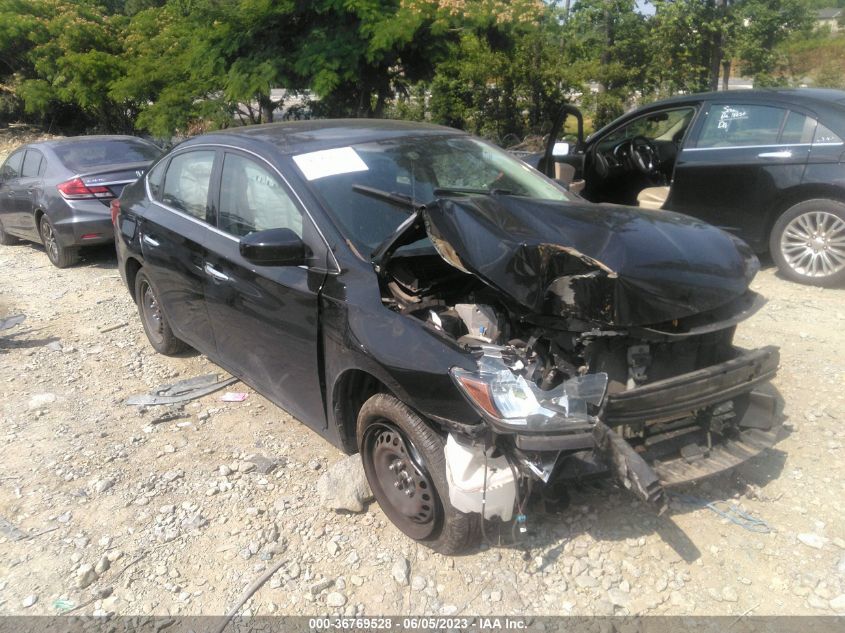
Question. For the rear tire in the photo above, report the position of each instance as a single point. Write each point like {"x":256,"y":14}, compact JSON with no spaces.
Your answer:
{"x":398,"y":446}
{"x":60,"y":256}
{"x":808,"y":242}
{"x":5,"y":238}
{"x":155,"y":323}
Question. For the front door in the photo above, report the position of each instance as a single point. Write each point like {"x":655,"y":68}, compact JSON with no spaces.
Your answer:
{"x":265,"y":318}
{"x":174,"y":234}
{"x":736,"y":169}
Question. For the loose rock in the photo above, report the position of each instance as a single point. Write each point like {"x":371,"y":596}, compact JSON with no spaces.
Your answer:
{"x":344,"y":486}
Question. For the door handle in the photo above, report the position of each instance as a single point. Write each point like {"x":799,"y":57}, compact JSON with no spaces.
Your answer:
{"x":782,"y":154}
{"x":212,"y":272}
{"x":148,"y":240}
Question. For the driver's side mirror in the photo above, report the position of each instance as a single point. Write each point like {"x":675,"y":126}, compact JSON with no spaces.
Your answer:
{"x":274,"y":247}
{"x":561,"y":148}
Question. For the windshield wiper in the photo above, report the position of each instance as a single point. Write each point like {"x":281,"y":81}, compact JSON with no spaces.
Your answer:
{"x":396,"y":199}
{"x":445,"y":191}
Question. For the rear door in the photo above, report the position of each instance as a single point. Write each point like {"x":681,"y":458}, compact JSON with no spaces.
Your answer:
{"x":734,"y":169}
{"x":26,"y":188}
{"x":9,"y":175}
{"x":265,"y":318}
{"x":175,"y":231}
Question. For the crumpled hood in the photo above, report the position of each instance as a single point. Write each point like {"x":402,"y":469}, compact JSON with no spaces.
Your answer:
{"x":618,"y":265}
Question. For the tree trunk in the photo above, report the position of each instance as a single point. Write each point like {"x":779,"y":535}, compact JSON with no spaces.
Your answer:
{"x":266,"y":106}
{"x":726,"y":73}
{"x":717,"y":46}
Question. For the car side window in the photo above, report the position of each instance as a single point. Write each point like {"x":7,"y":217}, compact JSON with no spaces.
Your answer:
{"x":738,"y":125}
{"x":186,"y":182}
{"x":31,"y":164}
{"x":666,"y":125}
{"x":799,"y":128}
{"x":825,"y":135}
{"x":12,"y":166}
{"x":155,"y":179}
{"x":252,"y":199}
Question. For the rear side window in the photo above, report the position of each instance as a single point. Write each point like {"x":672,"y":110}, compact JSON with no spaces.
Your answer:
{"x":156,"y":179}
{"x":31,"y":164}
{"x":825,"y":135}
{"x":84,"y":155}
{"x":798,"y":128}
{"x":186,"y":182}
{"x":12,"y":166}
{"x":253,"y":199}
{"x":739,"y":125}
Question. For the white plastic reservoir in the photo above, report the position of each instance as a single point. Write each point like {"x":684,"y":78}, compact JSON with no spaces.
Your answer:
{"x":465,"y":475}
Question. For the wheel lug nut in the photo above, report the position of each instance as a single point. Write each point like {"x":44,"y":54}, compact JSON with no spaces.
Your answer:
{"x":409,"y":492}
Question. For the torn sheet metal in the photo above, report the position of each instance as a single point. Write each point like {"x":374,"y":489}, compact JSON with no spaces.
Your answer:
{"x":617,"y":265}
{"x":631,"y":470}
{"x":181,"y":391}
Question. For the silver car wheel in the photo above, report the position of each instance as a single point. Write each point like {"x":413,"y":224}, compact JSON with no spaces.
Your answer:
{"x":813,"y":244}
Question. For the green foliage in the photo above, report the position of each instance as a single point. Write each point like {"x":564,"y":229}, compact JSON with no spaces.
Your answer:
{"x":500,"y":68}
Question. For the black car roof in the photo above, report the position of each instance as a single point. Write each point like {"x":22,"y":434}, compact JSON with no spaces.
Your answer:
{"x":296,"y":137}
{"x":789,"y":95}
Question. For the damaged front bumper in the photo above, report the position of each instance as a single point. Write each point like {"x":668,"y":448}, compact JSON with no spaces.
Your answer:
{"x":664,"y":433}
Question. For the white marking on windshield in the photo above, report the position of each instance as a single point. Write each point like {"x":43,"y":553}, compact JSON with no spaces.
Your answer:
{"x":329,"y":162}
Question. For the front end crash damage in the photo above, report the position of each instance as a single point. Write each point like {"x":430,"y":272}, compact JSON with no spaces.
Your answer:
{"x":601,"y":342}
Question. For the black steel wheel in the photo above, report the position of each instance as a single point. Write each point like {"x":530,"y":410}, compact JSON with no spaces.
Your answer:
{"x":399,"y":477}
{"x":404,"y":461}
{"x":60,"y":256}
{"x":155,"y":323}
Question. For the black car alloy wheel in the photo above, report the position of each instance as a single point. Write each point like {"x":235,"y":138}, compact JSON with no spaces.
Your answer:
{"x":51,"y":244}
{"x":153,"y":318}
{"x":59,"y":256}
{"x":399,"y":480}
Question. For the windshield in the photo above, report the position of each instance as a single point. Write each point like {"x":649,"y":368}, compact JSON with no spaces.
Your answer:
{"x":87,"y":154}
{"x":415,"y":168}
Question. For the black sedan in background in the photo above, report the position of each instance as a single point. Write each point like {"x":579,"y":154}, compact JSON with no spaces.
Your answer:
{"x":469,"y":327}
{"x":58,"y":192}
{"x":766,"y":165}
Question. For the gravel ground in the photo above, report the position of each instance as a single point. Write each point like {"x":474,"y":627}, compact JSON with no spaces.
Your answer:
{"x":165,"y":516}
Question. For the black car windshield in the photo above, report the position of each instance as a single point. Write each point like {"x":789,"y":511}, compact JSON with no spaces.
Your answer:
{"x":83,"y":155}
{"x":416,"y":168}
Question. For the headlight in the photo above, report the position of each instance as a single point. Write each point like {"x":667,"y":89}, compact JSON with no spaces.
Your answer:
{"x":508,"y":399}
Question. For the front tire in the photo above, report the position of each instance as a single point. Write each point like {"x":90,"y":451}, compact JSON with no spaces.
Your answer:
{"x":60,"y":256}
{"x":405,"y":464}
{"x":155,"y":323}
{"x":808,"y":242}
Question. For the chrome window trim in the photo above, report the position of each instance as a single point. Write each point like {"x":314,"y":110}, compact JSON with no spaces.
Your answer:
{"x":709,"y":149}
{"x":296,"y":197}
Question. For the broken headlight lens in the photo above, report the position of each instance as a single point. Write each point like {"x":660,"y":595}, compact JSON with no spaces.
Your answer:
{"x":508,"y":398}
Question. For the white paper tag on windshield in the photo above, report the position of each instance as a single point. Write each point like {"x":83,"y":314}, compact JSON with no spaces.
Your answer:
{"x":329,"y":162}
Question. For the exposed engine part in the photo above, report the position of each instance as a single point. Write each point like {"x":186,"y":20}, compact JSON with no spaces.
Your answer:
{"x":639,"y":358}
{"x":481,"y":321}
{"x":465,"y":475}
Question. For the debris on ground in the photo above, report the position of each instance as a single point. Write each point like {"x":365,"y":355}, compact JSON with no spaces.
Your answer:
{"x":7,"y":323}
{"x":182,"y":391}
{"x":231,"y":396}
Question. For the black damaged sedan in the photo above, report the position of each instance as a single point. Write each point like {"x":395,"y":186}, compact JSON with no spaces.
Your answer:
{"x":417,"y":295}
